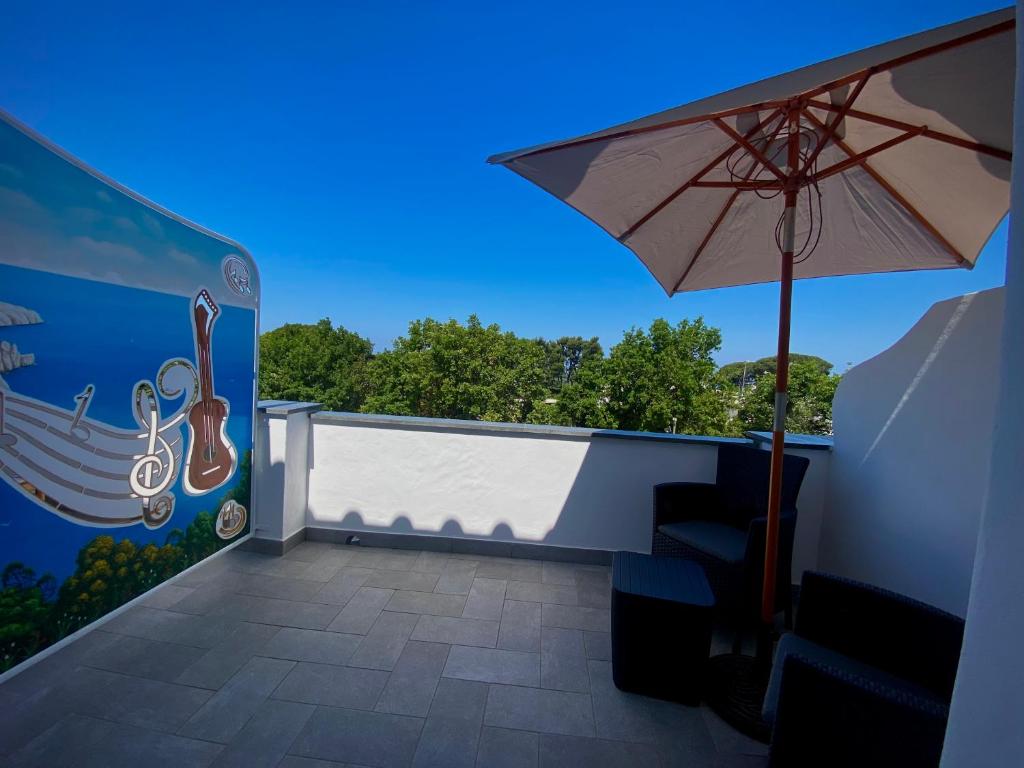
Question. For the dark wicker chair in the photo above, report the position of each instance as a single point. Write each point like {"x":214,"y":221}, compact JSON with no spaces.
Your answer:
{"x":722,"y":526}
{"x":866,"y":678}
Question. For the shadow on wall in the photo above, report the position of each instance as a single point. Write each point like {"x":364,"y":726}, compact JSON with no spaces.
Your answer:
{"x":913,"y":438}
{"x":591,"y":493}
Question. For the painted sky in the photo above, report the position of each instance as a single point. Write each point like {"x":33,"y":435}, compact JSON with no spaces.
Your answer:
{"x":343,"y":144}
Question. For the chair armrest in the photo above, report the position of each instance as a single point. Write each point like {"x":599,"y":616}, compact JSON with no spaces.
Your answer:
{"x":677,"y":502}
{"x":895,"y":633}
{"x":832,"y":716}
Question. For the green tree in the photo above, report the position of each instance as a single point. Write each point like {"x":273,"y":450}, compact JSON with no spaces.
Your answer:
{"x":565,"y":357}
{"x":666,"y":374}
{"x":811,"y":390}
{"x":747,"y":372}
{"x":454,"y":371}
{"x":316,"y":363}
{"x":25,"y":607}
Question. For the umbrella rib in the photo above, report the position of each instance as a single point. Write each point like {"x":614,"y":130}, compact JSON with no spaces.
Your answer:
{"x":907,"y":206}
{"x":889,"y":122}
{"x":693,"y":180}
{"x":980,"y":34}
{"x":908,"y":58}
{"x":860,"y":157}
{"x":707,"y":238}
{"x":741,"y":140}
{"x":830,"y":131}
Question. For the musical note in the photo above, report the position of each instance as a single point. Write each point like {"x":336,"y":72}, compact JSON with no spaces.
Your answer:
{"x":149,"y":476}
{"x":83,"y":399}
{"x":5,"y":439}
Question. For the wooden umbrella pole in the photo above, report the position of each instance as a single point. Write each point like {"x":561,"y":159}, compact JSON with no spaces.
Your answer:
{"x":771,"y":544}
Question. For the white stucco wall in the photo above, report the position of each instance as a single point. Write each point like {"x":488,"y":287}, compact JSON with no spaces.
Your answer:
{"x":589,"y":491}
{"x":985,"y":719}
{"x":909,"y":472}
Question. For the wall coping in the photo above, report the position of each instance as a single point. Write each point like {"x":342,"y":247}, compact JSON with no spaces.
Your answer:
{"x":794,"y":440}
{"x":287,"y":407}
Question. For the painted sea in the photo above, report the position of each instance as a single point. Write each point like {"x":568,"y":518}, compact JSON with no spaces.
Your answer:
{"x":110,"y":336}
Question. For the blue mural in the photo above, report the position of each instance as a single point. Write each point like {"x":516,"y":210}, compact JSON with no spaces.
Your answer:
{"x":127,"y":351}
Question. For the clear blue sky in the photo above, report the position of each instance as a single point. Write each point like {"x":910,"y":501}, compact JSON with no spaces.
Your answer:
{"x":343,"y":144}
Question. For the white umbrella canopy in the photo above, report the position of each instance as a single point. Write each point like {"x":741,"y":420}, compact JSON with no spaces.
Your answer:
{"x":927,"y":120}
{"x":893,"y":158}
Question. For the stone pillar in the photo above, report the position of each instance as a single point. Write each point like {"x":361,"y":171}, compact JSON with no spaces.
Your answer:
{"x":986,"y":720}
{"x":281,"y":480}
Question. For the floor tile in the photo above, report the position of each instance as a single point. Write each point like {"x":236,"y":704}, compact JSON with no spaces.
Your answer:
{"x":593,"y":595}
{"x":729,"y":740}
{"x":262,"y":585}
{"x":294,"y":761}
{"x":563,"y":660}
{"x":576,"y":617}
{"x":310,"y":551}
{"x":133,"y":700}
{"x":520,"y":626}
{"x":312,"y":645}
{"x":410,"y":688}
{"x":171,"y":627}
{"x":143,"y":658}
{"x":227,"y":712}
{"x":490,"y":665}
{"x":598,"y":645}
{"x":459,"y":700}
{"x":383,"y":644}
{"x":282,"y":613}
{"x":79,"y":741}
{"x":514,"y":570}
{"x":502,"y":748}
{"x":558,"y":573}
{"x":359,"y":615}
{"x":457,"y":577}
{"x":352,"y":736}
{"x":332,"y":686}
{"x":267,"y":736}
{"x":576,"y":752}
{"x":446,"y":743}
{"x":431,"y":562}
{"x":215,"y":667}
{"x":167,"y":595}
{"x":342,"y":586}
{"x":326,"y":568}
{"x":486,"y":599}
{"x":537,"y":709}
{"x":456,"y":631}
{"x":536,"y":592}
{"x":408,"y":580}
{"x":428,"y":603}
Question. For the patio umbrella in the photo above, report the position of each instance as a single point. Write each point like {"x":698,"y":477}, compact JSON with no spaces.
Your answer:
{"x":893,"y":158}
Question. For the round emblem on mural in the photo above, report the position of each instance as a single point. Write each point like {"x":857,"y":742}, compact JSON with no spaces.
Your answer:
{"x":230,"y":519}
{"x":236,"y":275}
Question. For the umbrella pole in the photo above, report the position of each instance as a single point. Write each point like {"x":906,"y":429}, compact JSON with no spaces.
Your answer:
{"x":771,"y":543}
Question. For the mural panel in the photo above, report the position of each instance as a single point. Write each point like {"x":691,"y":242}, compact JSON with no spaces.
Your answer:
{"x":127,"y":385}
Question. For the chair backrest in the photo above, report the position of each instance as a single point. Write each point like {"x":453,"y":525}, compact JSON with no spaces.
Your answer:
{"x":742,"y":479}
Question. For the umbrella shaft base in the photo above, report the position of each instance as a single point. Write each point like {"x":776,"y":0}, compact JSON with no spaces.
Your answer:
{"x":735,"y":692}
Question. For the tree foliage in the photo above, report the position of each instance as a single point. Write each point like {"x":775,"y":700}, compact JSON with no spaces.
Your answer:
{"x":314,"y":363}
{"x":665,"y":379}
{"x":811,"y":390}
{"x":655,"y":379}
{"x":455,"y":371}
{"x":25,"y":601}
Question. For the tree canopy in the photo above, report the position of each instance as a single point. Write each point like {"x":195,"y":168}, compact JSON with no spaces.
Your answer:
{"x":314,"y":363}
{"x":661,"y":378}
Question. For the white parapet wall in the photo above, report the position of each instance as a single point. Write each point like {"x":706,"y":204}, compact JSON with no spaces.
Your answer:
{"x":909,"y":469}
{"x":522,"y":484}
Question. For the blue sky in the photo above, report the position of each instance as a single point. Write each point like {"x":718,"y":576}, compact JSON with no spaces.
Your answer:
{"x":343,"y":144}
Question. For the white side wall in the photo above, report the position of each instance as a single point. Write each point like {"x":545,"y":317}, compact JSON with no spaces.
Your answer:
{"x":985,"y":719}
{"x":909,"y":471}
{"x":589,"y":491}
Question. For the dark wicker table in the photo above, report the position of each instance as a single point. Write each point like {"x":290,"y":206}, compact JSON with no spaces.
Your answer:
{"x":661,"y":626}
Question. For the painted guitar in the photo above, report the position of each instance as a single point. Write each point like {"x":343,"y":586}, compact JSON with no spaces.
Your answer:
{"x":211,"y":456}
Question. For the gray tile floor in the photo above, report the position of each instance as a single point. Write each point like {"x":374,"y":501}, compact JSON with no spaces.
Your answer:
{"x":351,"y":656}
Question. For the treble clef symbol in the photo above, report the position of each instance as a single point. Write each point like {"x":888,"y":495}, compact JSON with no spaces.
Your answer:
{"x":149,"y":477}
